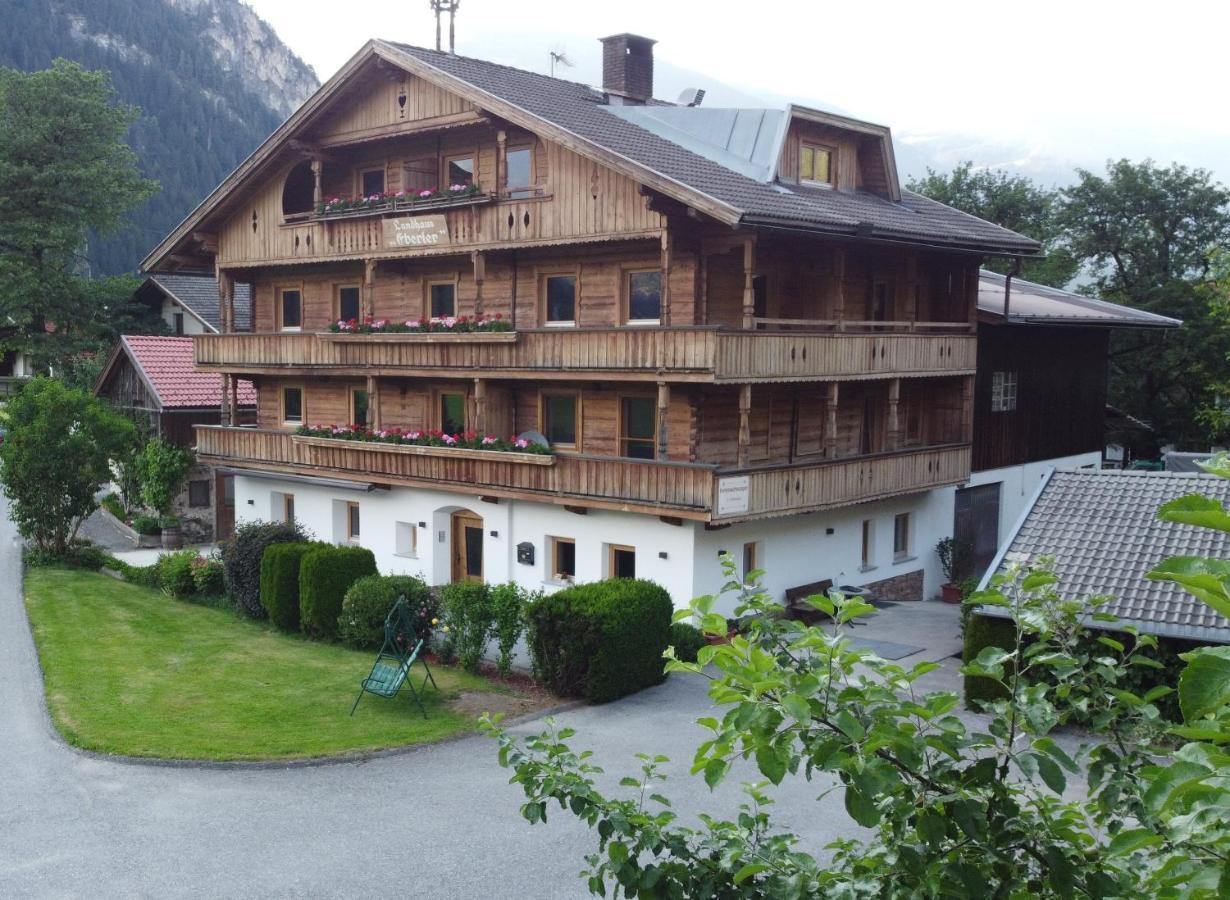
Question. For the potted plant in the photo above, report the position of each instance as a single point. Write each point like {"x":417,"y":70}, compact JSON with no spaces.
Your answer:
{"x":954,"y":560}
{"x":163,"y":470}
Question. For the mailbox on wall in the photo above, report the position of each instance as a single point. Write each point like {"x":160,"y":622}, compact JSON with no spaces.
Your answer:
{"x":525,"y":553}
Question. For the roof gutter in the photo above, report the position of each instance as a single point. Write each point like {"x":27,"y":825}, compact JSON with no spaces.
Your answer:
{"x":881,"y":240}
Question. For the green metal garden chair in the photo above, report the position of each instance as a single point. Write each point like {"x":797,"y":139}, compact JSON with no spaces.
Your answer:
{"x":401,"y":650}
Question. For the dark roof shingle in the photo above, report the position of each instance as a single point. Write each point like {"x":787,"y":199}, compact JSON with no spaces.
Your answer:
{"x":199,"y":293}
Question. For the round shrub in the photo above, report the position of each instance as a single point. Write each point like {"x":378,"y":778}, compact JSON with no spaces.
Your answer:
{"x":982,"y":632}
{"x":241,"y":561}
{"x":175,"y":575}
{"x":687,"y":641}
{"x":367,"y":604}
{"x":208,"y":576}
{"x":325,"y":574}
{"x":280,"y":582}
{"x":147,"y":525}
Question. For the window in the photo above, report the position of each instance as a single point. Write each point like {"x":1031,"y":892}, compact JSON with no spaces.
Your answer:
{"x":442,"y":296}
{"x":371,"y":182}
{"x":288,"y":508}
{"x":459,"y":170}
{"x":406,"y":539}
{"x":901,"y":536}
{"x":815,"y":164}
{"x":358,"y":407}
{"x":559,"y":419}
{"x":348,"y":302}
{"x":519,"y":172}
{"x":881,"y":300}
{"x":452,"y":413}
{"x":352,"y":521}
{"x":638,"y":430}
{"x":749,"y":558}
{"x":560,"y":299}
{"x":179,"y":323}
{"x":198,"y":493}
{"x":563,"y":559}
{"x":622,"y":562}
{"x":869,"y":537}
{"x":292,"y":406}
{"x":292,"y":309}
{"x":644,"y":298}
{"x":299,"y":190}
{"x":1003,"y":391}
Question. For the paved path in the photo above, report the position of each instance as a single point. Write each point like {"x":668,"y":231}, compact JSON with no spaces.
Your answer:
{"x":438,"y":822}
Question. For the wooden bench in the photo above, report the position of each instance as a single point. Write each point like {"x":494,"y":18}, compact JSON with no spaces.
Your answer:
{"x":797,"y":606}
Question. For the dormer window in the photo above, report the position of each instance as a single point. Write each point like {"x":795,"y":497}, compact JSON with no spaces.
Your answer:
{"x":815,"y":164}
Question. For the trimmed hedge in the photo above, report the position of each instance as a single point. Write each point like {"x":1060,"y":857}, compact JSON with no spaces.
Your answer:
{"x":602,"y":640}
{"x":367,"y":604}
{"x":325,"y":574}
{"x":241,"y":558}
{"x":982,"y":632}
{"x":280,"y":582}
{"x":687,"y":641}
{"x":471,"y":620}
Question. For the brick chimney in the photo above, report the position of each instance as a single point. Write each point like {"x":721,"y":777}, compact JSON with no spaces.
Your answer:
{"x":627,"y":67}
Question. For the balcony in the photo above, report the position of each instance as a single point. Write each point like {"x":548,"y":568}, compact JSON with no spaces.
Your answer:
{"x":395,"y":205}
{"x":683,"y":490}
{"x":689,"y":354}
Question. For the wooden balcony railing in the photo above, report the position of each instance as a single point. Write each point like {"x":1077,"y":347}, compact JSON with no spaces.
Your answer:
{"x":700,"y":354}
{"x":684,"y":490}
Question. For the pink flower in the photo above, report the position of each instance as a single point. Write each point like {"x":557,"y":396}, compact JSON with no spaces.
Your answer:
{"x":425,"y":193}
{"x":380,"y":323}
{"x":414,"y":435}
{"x":448,"y":439}
{"x":489,"y":440}
{"x":521,"y":443}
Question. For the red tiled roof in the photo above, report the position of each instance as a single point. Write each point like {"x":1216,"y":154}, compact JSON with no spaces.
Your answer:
{"x":168,"y":366}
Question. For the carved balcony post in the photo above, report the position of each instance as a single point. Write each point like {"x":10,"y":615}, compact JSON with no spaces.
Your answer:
{"x":501,"y":162}
{"x":480,"y":405}
{"x":830,"y":419}
{"x":374,"y":418}
{"x":479,"y":260}
{"x":749,"y":282}
{"x":839,"y":285}
{"x":664,"y":402}
{"x":745,"y":424}
{"x":967,"y":409}
{"x":666,"y":276}
{"x":367,"y":304}
{"x":318,"y":196}
{"x":894,"y":421}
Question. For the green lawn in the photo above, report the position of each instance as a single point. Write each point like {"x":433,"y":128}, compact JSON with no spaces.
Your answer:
{"x":131,"y":671}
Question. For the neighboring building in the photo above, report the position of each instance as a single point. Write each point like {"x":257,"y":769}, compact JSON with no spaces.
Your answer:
{"x":1102,"y":529}
{"x":188,"y":303}
{"x":152,"y":381}
{"x":736,"y":329}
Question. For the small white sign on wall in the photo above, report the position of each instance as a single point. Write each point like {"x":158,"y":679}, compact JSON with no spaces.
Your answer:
{"x":733,"y":495}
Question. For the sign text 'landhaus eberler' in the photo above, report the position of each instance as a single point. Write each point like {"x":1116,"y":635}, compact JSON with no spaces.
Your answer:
{"x":416,"y":231}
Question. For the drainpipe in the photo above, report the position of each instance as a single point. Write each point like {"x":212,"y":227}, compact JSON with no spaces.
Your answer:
{"x":1013,"y":272}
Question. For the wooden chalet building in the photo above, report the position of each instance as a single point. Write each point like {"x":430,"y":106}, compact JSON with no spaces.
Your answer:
{"x":736,"y":330}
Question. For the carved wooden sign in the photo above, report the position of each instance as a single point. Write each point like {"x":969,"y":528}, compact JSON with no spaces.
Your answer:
{"x":416,"y":231}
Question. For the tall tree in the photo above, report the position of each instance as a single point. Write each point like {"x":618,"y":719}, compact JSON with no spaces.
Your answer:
{"x":1013,"y":201}
{"x":65,"y":171}
{"x":1149,"y":237}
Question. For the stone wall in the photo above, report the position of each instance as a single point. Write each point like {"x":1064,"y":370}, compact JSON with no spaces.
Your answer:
{"x":900,"y":587}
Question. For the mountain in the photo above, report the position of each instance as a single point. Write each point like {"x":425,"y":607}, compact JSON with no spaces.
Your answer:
{"x":211,"y":78}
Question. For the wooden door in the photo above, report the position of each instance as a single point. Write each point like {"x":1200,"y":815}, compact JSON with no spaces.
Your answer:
{"x":976,"y":522}
{"x":467,"y":547}
{"x":224,"y":516}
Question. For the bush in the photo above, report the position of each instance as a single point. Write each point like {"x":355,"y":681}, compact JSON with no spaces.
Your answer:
{"x":162,"y":469}
{"x":601,"y":640}
{"x":241,"y":561}
{"x":80,"y":554}
{"x":982,"y":632}
{"x":280,"y":582}
{"x":687,"y":641}
{"x":114,"y":505}
{"x":367,"y":604}
{"x":325,"y":574}
{"x":146,"y":524}
{"x":470,"y":619}
{"x":208,"y":576}
{"x":508,"y":606}
{"x":175,"y":573}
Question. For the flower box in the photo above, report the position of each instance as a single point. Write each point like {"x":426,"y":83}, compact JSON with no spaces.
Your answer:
{"x":533,"y":459}
{"x":362,"y":207}
{"x":429,"y":337}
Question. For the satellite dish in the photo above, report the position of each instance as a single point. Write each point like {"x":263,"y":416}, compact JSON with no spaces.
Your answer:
{"x":534,"y":437}
{"x":692,"y":97}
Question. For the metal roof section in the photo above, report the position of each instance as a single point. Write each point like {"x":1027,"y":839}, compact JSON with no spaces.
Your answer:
{"x":747,"y":141}
{"x":1038,"y":304}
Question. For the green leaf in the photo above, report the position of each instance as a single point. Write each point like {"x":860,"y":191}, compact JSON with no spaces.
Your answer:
{"x":771,"y":763}
{"x":1204,"y":579}
{"x":748,"y":871}
{"x":715,"y":771}
{"x":1051,"y":774}
{"x":1195,"y":509}
{"x":861,"y":808}
{"x":798,"y":708}
{"x":1204,"y":684}
{"x":1133,"y":839}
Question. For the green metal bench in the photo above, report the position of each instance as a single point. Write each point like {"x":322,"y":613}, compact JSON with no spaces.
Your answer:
{"x":401,"y":650}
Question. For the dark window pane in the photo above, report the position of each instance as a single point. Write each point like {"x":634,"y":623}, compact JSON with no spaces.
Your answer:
{"x":639,"y":421}
{"x":288,"y":508}
{"x":560,"y":415}
{"x":452,"y":413}
{"x":354,"y":520}
{"x":461,"y":171}
{"x":474,"y":551}
{"x":198,"y":493}
{"x":623,"y":563}
{"x":179,"y":323}
{"x":373,"y":182}
{"x":360,"y":409}
{"x":291,"y":305}
{"x":348,"y":303}
{"x":561,"y":298}
{"x":292,"y":404}
{"x":443,"y":300}
{"x":565,"y":558}
{"x":228,"y":490}
{"x":644,"y":295}
{"x":519,"y":173}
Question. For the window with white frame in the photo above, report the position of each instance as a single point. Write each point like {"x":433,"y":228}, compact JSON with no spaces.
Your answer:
{"x":406,"y":539}
{"x":869,"y":541}
{"x":901,"y":536}
{"x":1003,"y":391}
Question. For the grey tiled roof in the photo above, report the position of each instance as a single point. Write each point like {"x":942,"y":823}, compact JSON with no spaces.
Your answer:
{"x":1103,"y":530}
{"x":199,"y":293}
{"x":580,"y":110}
{"x":1037,"y":303}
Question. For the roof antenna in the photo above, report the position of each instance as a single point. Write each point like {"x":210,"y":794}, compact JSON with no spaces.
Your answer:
{"x":559,"y":57}
{"x":450,"y":7}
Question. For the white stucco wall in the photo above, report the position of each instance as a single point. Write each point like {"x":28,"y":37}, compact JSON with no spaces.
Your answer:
{"x":192,"y":325}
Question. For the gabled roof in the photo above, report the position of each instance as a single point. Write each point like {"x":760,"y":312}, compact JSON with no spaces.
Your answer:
{"x":578,"y":117}
{"x":1103,"y":530}
{"x":166,"y":366}
{"x":198,"y":295}
{"x":1037,"y":304}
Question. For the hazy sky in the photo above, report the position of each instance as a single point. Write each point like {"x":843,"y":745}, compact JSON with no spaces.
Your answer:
{"x":1035,"y":85}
